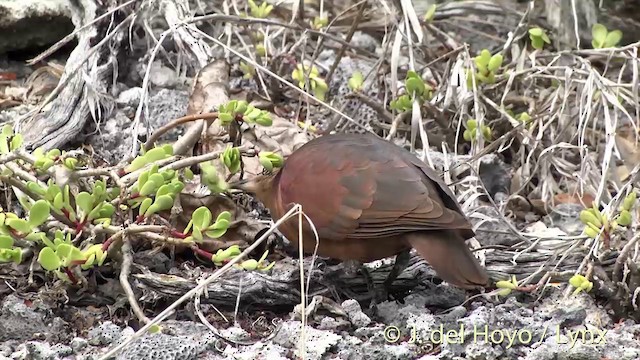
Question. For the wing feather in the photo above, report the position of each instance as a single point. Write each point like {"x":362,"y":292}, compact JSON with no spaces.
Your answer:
{"x":367,"y":190}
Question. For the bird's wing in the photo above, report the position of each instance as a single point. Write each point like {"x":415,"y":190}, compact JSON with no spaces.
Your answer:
{"x":363,"y":191}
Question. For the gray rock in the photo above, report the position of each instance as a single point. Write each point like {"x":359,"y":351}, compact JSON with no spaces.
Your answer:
{"x":162,"y":346}
{"x":155,"y":261}
{"x":566,"y":217}
{"x":338,"y":88}
{"x":105,"y":334}
{"x":162,"y":76}
{"x":365,"y":41}
{"x":317,"y":344}
{"x":78,"y":344}
{"x":28,"y":24}
{"x":23,"y":323}
{"x":165,"y":106}
{"x":36,"y":350}
{"x":257,"y":351}
{"x":354,"y":311}
{"x":495,"y":175}
{"x":130,"y":97}
{"x":113,"y":140}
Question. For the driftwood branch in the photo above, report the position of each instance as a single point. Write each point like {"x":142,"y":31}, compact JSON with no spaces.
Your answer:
{"x":280,"y":288}
{"x":84,"y":90}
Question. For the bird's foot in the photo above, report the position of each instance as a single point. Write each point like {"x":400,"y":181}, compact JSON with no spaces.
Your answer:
{"x":380,"y":294}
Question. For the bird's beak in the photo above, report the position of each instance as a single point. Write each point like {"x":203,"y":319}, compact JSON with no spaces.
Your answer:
{"x":246,"y":185}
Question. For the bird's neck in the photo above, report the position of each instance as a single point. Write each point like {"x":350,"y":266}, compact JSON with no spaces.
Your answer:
{"x":270,"y":196}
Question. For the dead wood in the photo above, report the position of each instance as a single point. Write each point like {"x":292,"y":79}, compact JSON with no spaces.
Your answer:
{"x":85,"y":88}
{"x":281,"y":287}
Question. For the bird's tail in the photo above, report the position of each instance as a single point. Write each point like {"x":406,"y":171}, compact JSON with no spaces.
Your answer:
{"x":448,"y":254}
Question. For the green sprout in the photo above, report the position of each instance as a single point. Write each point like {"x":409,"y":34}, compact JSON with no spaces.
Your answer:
{"x":603,"y":38}
{"x":200,"y":224}
{"x":156,"y":154}
{"x":415,"y":88}
{"x":596,"y":222}
{"x":222,"y":256}
{"x":9,"y":141}
{"x":319,"y":22}
{"x":318,"y":85}
{"x":155,"y":329}
{"x":581,"y":283}
{"x":270,"y":160}
{"x":470,"y":134}
{"x":260,"y":265}
{"x":248,"y":70}
{"x":60,"y":254}
{"x":232,"y":159}
{"x":487,"y":67}
{"x":210,"y":178}
{"x":164,"y":186}
{"x":261,"y":50}
{"x":8,"y":252}
{"x":356,"y":81}
{"x":259,"y":11}
{"x":522,"y":117}
{"x":16,"y":227}
{"x":538,"y":37}
{"x":506,"y":286}
{"x":43,"y":161}
{"x":431,"y":11}
{"x":307,"y":126}
{"x":242,"y":110}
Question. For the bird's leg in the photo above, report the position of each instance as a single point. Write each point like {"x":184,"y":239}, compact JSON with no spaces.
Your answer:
{"x":400,"y":264}
{"x":353,"y":267}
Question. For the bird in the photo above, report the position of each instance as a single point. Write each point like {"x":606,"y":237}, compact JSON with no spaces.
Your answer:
{"x":370,"y":199}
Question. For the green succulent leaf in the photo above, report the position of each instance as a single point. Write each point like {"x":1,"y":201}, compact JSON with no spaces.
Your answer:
{"x":36,"y":188}
{"x":145,"y":205}
{"x":107,"y":210}
{"x":163,"y":202}
{"x":84,"y":202}
{"x":201,"y":217}
{"x":629,"y":200}
{"x":38,"y":213}
{"x":224,"y":215}
{"x":19,"y":225}
{"x":495,"y":62}
{"x":613,"y":38}
{"x":216,"y":233}
{"x":356,"y":81}
{"x":6,"y":242}
{"x":196,"y":233}
{"x":48,"y":259}
{"x":428,"y":16}
{"x":599,"y":33}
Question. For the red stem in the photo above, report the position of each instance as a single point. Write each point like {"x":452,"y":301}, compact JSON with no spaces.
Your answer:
{"x":203,"y":253}
{"x":80,"y":225}
{"x":177,"y":234}
{"x":70,"y":275}
{"x":107,"y":243}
